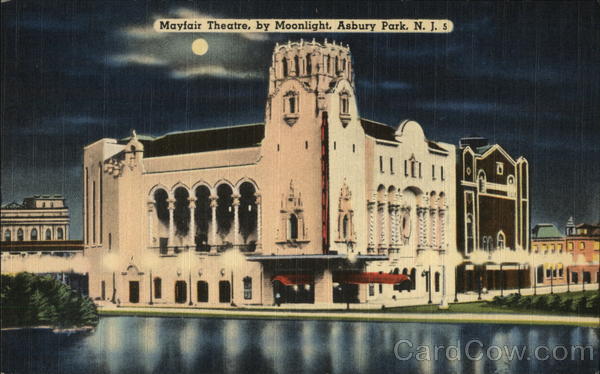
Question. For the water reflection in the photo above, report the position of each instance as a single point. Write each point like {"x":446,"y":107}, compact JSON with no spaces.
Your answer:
{"x":187,"y":345}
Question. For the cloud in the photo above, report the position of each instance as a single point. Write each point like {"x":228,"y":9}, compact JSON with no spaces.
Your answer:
{"x":136,"y":59}
{"x":385,"y":85}
{"x":230,"y":55}
{"x":216,"y":71}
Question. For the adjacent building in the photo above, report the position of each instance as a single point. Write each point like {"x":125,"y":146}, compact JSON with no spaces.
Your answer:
{"x":493,"y":217}
{"x":570,"y":258}
{"x":40,"y":217}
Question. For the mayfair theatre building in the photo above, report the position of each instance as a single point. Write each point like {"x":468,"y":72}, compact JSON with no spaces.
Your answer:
{"x":316,"y":205}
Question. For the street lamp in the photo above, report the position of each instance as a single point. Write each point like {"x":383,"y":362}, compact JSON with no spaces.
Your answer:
{"x":501,"y":281}
{"x":479,"y":283}
{"x":427,"y":275}
{"x":552,"y":279}
{"x":455,"y":282}
{"x":519,"y":278}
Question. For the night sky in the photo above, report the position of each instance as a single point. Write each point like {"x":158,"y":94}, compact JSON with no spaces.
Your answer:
{"x":525,"y":75}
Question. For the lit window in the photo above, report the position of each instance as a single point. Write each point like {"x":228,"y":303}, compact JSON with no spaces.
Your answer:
{"x":570,"y":246}
{"x":581,"y":245}
{"x":344,"y":104}
{"x":247,"y":288}
{"x":501,"y":240}
{"x":499,"y":168}
{"x":293,"y":227}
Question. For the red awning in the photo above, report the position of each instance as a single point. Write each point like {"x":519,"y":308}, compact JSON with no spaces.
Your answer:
{"x":358,"y":278}
{"x":291,"y":279}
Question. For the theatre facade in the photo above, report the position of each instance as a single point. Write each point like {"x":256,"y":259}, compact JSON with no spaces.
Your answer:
{"x":316,"y":205}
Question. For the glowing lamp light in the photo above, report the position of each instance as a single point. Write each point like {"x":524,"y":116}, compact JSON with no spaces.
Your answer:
{"x":307,"y":287}
{"x":296,"y":287}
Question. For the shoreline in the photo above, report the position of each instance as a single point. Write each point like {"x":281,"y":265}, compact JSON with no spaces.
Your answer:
{"x":521,"y":319}
{"x":54,"y":329}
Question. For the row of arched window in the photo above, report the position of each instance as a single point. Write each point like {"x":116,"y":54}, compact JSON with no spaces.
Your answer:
{"x":202,"y":290}
{"x":34,"y":235}
{"x":489,"y":244}
{"x":302,"y":65}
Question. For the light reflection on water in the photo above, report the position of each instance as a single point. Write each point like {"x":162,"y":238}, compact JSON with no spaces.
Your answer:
{"x":180,"y":345}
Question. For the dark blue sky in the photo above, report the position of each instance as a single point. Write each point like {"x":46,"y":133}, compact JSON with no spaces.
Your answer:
{"x":525,"y":75}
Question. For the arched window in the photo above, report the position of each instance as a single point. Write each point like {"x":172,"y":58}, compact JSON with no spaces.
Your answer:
{"x":157,"y":288}
{"x":293,"y":227}
{"x":500,"y":240}
{"x":297,"y":65}
{"x":7,"y":236}
{"x":48,"y":234}
{"x":59,"y":234}
{"x":345,"y":231}
{"x":34,"y":234}
{"x":284,"y":67}
{"x":470,"y":241}
{"x":20,"y":235}
{"x":308,"y":64}
{"x":413,"y":278}
{"x":247,"y":288}
{"x":481,"y":180}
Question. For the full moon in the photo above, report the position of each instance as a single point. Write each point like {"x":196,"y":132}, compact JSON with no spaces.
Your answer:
{"x":200,"y":47}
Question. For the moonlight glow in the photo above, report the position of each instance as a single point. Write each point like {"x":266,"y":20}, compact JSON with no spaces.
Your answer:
{"x":200,"y":47}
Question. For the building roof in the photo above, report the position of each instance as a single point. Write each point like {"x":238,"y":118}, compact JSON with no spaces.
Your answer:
{"x":204,"y":140}
{"x":378,"y":130}
{"x":546,"y":231}
{"x":382,"y":131}
{"x":232,"y":137}
{"x":12,"y":205}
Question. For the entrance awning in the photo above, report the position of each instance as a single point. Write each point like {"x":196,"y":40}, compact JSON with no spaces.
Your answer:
{"x":292,"y":279}
{"x":358,"y":278}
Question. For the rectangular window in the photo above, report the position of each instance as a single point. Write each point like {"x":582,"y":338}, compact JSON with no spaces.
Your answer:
{"x":406,"y":168}
{"x":420,"y":170}
{"x":247,"y":288}
{"x":442,"y":173}
{"x":109,"y":240}
{"x":334,"y":145}
{"x":433,"y":172}
{"x":202,"y":291}
{"x":391,"y":165}
{"x":353,"y":148}
{"x":381,"y":164}
{"x":371,"y":290}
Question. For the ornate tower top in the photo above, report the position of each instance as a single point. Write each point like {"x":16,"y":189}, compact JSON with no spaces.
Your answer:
{"x":315,"y":64}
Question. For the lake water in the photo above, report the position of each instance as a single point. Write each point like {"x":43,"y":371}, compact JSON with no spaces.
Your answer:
{"x":190,"y":345}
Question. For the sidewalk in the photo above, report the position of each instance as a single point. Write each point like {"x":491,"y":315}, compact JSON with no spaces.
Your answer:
{"x":354,"y":316}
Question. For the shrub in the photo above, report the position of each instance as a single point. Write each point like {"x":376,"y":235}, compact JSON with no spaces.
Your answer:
{"x":541,"y":302}
{"x":525,"y":303}
{"x":513,"y":299}
{"x":555,"y":302}
{"x":566,"y":305}
{"x":498,"y":300}
{"x":32,"y":300}
{"x":594,"y":304}
{"x":581,"y":305}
